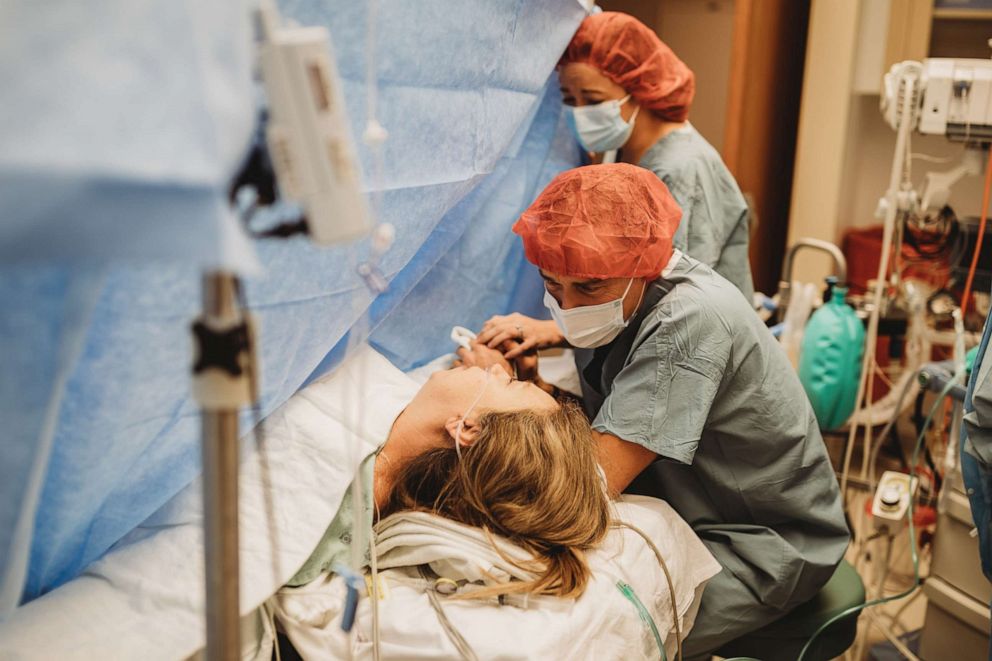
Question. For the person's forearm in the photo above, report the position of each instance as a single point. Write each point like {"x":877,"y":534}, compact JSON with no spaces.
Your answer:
{"x":621,"y":460}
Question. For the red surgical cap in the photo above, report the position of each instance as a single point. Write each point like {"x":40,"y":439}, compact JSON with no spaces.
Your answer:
{"x":601,"y":221}
{"x":631,"y":55}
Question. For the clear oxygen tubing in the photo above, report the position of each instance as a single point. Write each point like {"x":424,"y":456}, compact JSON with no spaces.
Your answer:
{"x":873,"y":457}
{"x":374,"y":567}
{"x":898,"y":644}
{"x":862,"y":514}
{"x":354,"y":406}
{"x":357,"y":334}
{"x":896,"y":177}
{"x":910,"y":528}
{"x":468,"y":411}
{"x":374,"y":560}
{"x":895,"y":617}
{"x":454,"y":635}
{"x":631,"y":595}
{"x":668,"y":577}
{"x":258,"y":433}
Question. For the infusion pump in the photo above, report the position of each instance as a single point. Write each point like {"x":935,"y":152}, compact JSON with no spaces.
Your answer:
{"x":957,"y":99}
{"x":939,"y":96}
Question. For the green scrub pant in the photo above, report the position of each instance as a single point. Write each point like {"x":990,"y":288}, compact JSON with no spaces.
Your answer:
{"x":729,"y":610}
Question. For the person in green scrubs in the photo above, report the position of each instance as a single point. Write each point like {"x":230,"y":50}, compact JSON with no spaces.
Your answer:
{"x":628,"y":97}
{"x":692,"y":399}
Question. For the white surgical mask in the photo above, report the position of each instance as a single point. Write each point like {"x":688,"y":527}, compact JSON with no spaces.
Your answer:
{"x":589,"y":326}
{"x":600,"y":127}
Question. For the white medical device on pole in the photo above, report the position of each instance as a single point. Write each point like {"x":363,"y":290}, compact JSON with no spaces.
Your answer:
{"x":311,"y":150}
{"x":957,"y":103}
{"x":900,"y":106}
{"x":957,"y":99}
{"x":952,"y":98}
{"x":308,"y":134}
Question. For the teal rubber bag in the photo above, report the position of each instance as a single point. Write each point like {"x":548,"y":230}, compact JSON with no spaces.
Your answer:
{"x":830,"y":360}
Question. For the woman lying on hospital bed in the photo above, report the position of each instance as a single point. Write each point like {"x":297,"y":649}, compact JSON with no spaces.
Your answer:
{"x":497,"y":539}
{"x":525,"y":474}
{"x":502,"y":546}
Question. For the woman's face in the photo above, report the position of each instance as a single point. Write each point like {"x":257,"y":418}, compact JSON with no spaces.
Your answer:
{"x":459,"y":387}
{"x":583,"y":85}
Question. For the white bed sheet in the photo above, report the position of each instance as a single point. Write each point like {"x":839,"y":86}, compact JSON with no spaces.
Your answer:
{"x":601,"y":624}
{"x":144,"y":600}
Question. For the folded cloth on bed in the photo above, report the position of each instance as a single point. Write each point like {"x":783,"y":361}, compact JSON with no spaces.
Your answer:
{"x":451,"y":549}
{"x":145,"y":600}
{"x":602,"y":624}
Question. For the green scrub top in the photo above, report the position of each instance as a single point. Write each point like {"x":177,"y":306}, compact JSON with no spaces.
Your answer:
{"x":698,"y":379}
{"x":714,"y":227}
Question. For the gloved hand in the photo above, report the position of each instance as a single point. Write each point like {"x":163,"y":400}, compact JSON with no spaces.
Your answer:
{"x":526,"y":333}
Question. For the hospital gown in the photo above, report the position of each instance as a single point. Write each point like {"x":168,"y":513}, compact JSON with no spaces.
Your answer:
{"x":699,"y":380}
{"x":714,"y":227}
{"x":335,"y":546}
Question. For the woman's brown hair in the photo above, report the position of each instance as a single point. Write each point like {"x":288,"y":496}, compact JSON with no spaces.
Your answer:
{"x":530,"y":477}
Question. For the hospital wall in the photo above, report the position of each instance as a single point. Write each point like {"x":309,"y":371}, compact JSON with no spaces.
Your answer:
{"x":748,"y":60}
{"x":701,"y":34}
{"x":844,"y":152}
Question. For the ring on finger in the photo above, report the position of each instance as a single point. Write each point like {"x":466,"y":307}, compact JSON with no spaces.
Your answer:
{"x":520,"y":331}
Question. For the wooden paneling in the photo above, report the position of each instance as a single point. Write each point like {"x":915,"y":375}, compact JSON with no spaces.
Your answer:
{"x":700,"y":33}
{"x":961,"y":38}
{"x":646,"y":11}
{"x":909,"y":31}
{"x":752,"y":84}
{"x":818,"y":195}
{"x":762,"y":119}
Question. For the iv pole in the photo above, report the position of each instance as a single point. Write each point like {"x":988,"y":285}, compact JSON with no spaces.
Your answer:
{"x":222,"y":384}
{"x":300,"y":129}
{"x":906,"y":95}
